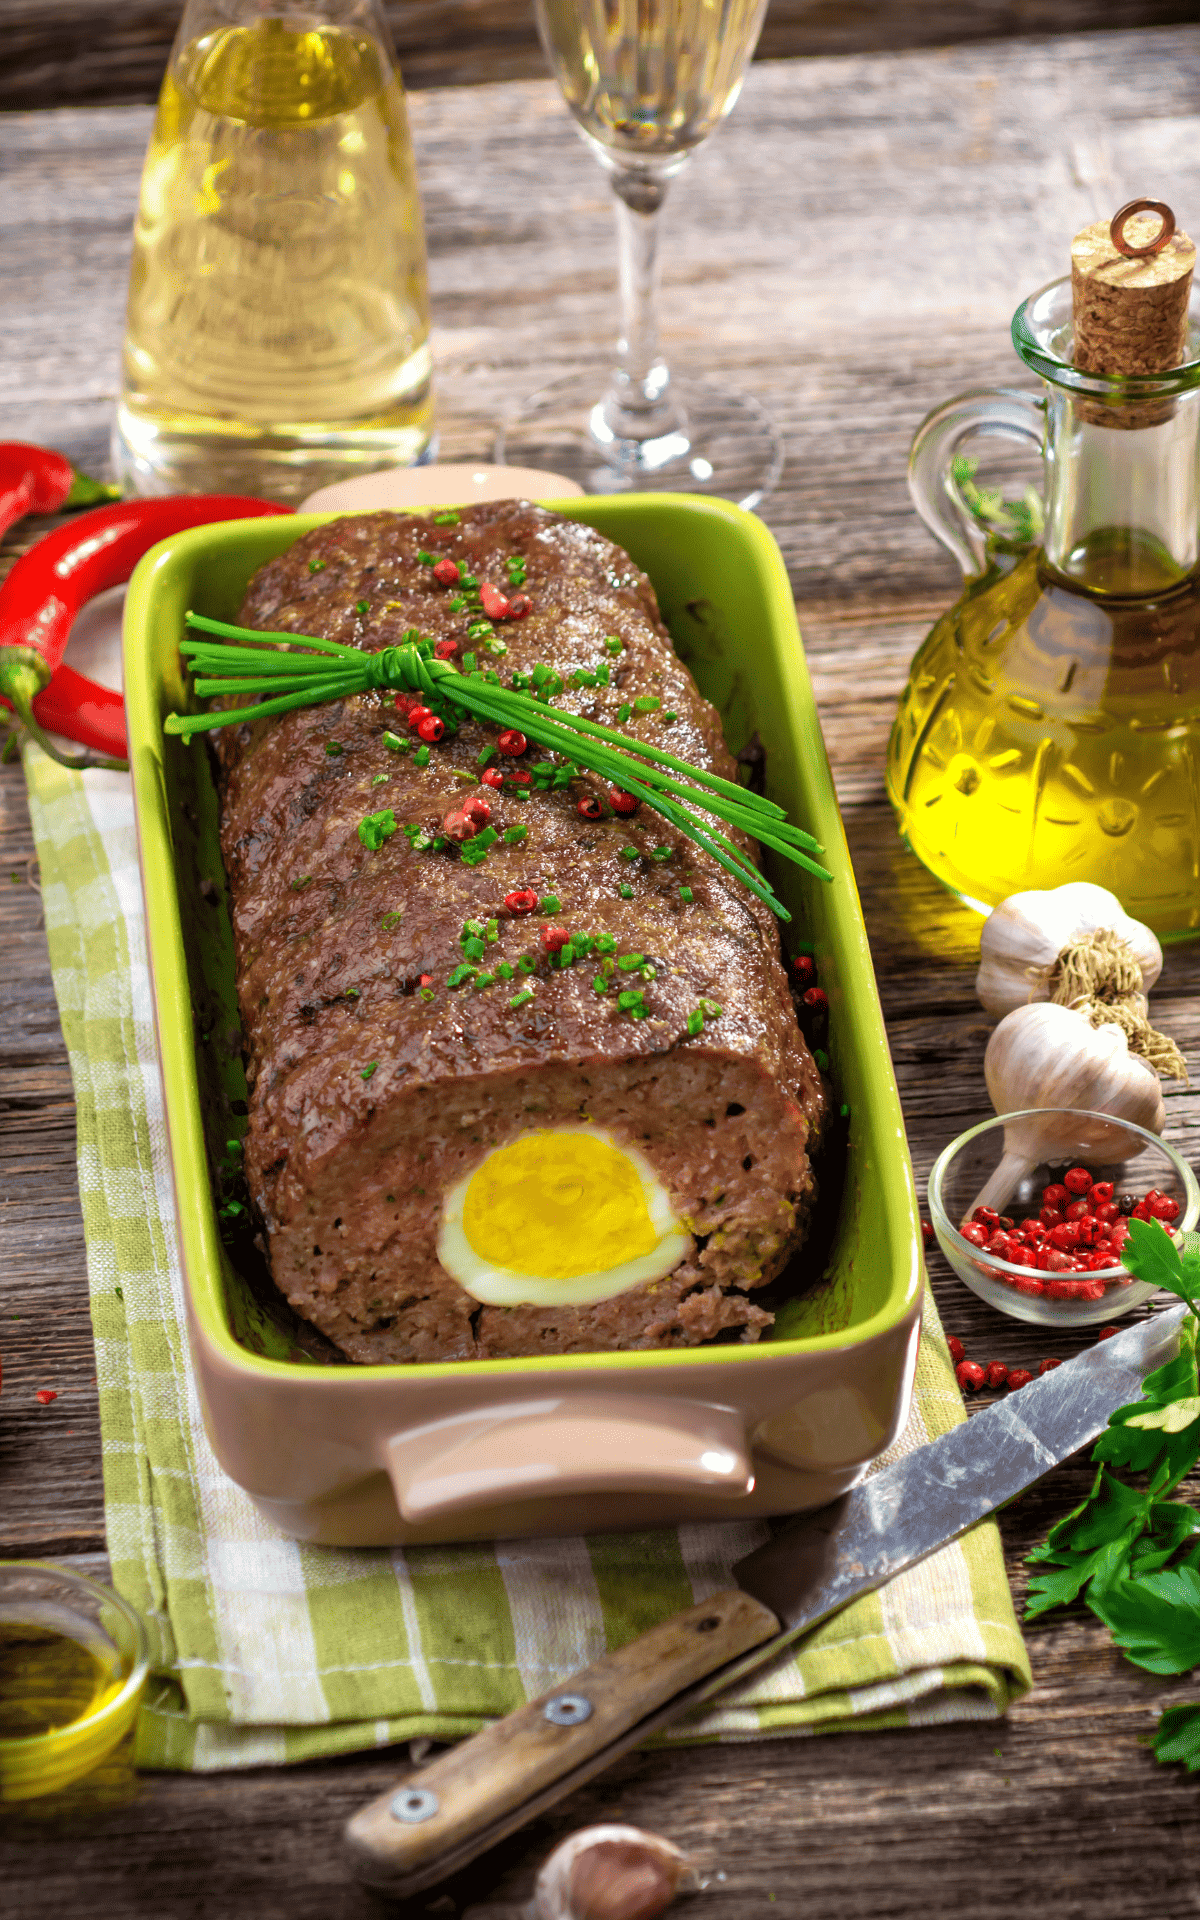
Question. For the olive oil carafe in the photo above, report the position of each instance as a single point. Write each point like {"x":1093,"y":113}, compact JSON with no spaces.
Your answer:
{"x":1050,"y":727}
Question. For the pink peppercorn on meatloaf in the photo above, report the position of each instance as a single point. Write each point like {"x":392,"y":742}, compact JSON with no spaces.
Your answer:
{"x":389,"y":1048}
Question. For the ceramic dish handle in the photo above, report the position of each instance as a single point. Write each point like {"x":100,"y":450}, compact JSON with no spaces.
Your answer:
{"x":470,"y":1797}
{"x":545,"y":1449}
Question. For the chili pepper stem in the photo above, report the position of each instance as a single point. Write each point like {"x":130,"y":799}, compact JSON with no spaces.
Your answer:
{"x":23,"y":675}
{"x":86,"y":492}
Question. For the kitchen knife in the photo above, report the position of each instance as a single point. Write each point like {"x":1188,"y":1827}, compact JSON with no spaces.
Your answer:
{"x":476,"y":1793}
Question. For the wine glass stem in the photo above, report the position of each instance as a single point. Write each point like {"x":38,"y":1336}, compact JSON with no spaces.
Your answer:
{"x":638,"y":405}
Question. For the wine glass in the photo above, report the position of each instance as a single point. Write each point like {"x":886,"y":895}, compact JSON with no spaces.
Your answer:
{"x":647,"y":81}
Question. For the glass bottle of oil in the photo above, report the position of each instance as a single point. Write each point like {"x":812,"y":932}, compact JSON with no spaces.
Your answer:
{"x":277,"y":332}
{"x":1050,"y":727}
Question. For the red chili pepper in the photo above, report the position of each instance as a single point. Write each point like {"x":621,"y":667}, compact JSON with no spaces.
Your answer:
{"x":445,"y":572}
{"x":553,"y":939}
{"x":35,"y":480}
{"x":51,"y":583}
{"x":46,"y":1395}
{"x":445,"y":649}
{"x":523,"y":900}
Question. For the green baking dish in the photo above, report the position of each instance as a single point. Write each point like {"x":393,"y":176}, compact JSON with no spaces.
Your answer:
{"x":374,"y":1454}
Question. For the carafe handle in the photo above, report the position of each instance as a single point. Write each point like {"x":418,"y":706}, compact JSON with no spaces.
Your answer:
{"x":1000,"y":411}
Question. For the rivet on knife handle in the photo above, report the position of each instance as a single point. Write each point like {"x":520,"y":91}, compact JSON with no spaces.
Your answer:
{"x":468,"y":1788}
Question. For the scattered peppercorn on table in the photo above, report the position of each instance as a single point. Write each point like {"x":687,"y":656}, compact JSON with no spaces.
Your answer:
{"x":995,"y":150}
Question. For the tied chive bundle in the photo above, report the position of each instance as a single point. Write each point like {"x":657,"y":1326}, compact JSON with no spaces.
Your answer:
{"x":301,"y":670}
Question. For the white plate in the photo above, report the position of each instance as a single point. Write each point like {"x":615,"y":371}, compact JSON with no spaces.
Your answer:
{"x":439,"y":486}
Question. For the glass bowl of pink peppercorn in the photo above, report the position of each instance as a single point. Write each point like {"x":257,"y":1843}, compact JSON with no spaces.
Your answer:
{"x":1049,"y":1250}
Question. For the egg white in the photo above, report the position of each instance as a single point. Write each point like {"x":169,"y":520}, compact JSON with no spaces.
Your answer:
{"x":504,"y":1286}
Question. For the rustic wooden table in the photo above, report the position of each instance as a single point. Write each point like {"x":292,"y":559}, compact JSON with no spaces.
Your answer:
{"x":850,"y":249}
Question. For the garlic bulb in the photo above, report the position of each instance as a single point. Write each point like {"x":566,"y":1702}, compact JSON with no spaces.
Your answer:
{"x":1025,"y":937}
{"x":1045,"y":1056}
{"x":611,"y":1873}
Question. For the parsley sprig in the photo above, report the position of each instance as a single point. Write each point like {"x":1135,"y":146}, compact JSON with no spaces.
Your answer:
{"x":1130,"y":1552}
{"x":1015,"y":523}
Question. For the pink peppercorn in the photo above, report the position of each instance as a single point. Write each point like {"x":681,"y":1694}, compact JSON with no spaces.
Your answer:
{"x":495,"y":604}
{"x":817,"y":999}
{"x":970,"y":1376}
{"x":519,"y":605}
{"x":477,"y":809}
{"x":976,"y":1234}
{"x":458,"y":825}
{"x":1077,"y":1180}
{"x":1019,"y":1377}
{"x":446,"y":572}
{"x":511,"y":741}
{"x":431,"y":728}
{"x":957,"y":1350}
{"x":927,"y":1234}
{"x":417,"y":713}
{"x":622,"y":802}
{"x":1106,"y":1333}
{"x":1048,"y":1366}
{"x":805,"y":969}
{"x":553,"y":939}
{"x":996,"y":1374}
{"x":492,"y":777}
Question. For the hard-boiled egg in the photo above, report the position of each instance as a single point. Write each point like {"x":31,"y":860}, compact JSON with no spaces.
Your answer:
{"x":563,"y":1216}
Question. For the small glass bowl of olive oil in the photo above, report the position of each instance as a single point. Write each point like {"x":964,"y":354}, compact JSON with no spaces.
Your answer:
{"x":73,"y":1665}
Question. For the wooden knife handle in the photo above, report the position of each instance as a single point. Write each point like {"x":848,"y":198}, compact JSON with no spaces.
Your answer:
{"x":438,"y":1809}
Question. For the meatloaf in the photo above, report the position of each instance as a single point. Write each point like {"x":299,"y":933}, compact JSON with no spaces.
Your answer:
{"x":386,"y":1060}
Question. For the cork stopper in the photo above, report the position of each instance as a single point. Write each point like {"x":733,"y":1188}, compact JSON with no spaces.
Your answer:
{"x":1131,"y":279}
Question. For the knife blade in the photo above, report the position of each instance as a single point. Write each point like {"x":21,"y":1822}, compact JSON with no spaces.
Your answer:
{"x":477,"y":1793}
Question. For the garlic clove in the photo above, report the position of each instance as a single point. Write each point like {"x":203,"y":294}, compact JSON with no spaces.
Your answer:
{"x":611,"y":1873}
{"x":1023,"y":937}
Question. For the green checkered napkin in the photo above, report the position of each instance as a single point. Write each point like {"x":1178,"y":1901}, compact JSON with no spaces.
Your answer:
{"x":270,"y":1650}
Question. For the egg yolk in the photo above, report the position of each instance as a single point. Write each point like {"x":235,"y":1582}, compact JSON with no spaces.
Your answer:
{"x":561,"y":1216}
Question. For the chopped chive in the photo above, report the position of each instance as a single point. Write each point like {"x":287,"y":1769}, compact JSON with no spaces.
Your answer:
{"x":375,"y":828}
{"x":514,"y":835}
{"x":496,"y":646}
{"x":391,"y":919}
{"x":468,"y":582}
{"x":632,"y":1000}
{"x":685,"y":893}
{"x":301,"y":881}
{"x":421,"y":757}
{"x":670,"y":716}
{"x":661,"y":853}
{"x":480,"y":629}
{"x":521,"y":999}
{"x":695,"y":1022}
{"x":603,"y":673}
{"x":626,"y":892}
{"x":630,"y":962}
{"x":527,"y":963}
{"x":630,"y":853}
{"x":566,"y":955}
{"x":369,"y":1069}
{"x":711,"y":1009}
{"x":822,"y":1060}
{"x":379,"y":779}
{"x":647,"y":703}
{"x":473,"y":949}
{"x":333,"y":748}
{"x":484,"y":980}
{"x":424,"y":558}
{"x":606,"y":943}
{"x":362,"y":606}
{"x":459,"y":974}
{"x":614,"y":643}
{"x":505,"y":971}
{"x":623,"y":712}
{"x":458,"y":603}
{"x":550,"y":903}
{"x":844,"y":1112}
{"x":489,"y":753}
{"x":493,"y":930}
{"x":447,"y":519}
{"x":395,"y":744}
{"x":352,"y":993}
{"x":599,"y":984}
{"x":317,"y":566}
{"x":425,"y":993}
